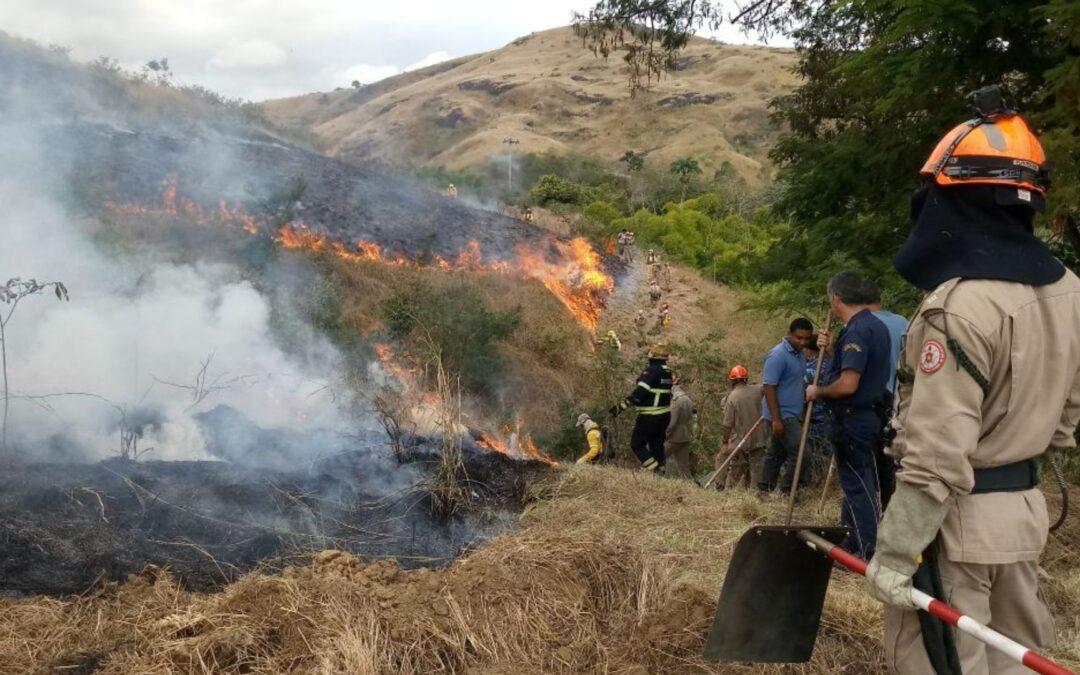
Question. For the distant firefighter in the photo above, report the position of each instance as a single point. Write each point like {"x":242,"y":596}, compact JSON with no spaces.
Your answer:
{"x":610,"y":340}
{"x":640,"y":322}
{"x":654,"y":293}
{"x":528,"y":215}
{"x":451,"y":191}
{"x":663,"y":317}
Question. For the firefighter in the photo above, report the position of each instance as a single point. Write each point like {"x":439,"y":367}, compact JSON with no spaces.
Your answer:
{"x":663,"y":317}
{"x":742,"y":411}
{"x":656,"y":272}
{"x":451,"y":191}
{"x":593,"y":439}
{"x":651,"y":399}
{"x":666,"y":271}
{"x":680,"y":431}
{"x":654,"y":293}
{"x":630,"y":246}
{"x":610,"y":340}
{"x":640,"y":322}
{"x":621,"y":243}
{"x":650,"y":257}
{"x":528,"y":214}
{"x":988,"y":381}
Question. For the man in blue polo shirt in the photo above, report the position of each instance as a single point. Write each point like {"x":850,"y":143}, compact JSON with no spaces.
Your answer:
{"x":783,"y":404}
{"x":856,"y":381}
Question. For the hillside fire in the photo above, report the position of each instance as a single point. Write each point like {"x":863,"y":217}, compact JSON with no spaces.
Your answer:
{"x":424,"y":408}
{"x":572,"y":271}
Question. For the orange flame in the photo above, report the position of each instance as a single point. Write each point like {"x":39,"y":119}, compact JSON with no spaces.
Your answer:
{"x":575,"y":277}
{"x":511,"y":444}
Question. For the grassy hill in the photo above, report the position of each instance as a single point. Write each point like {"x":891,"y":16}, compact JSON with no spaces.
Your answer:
{"x":553,"y":95}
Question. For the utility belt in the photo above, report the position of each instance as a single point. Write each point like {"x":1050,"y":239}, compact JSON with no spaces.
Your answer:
{"x":1015,"y":477}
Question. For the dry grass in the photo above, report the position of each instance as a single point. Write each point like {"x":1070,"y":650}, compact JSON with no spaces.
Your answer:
{"x":562,"y":99}
{"x":611,"y":571}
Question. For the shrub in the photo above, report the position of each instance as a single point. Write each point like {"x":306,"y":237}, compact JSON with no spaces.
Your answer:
{"x":551,"y":188}
{"x":456,"y":324}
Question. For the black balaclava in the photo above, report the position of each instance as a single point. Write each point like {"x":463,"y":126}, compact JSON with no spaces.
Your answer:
{"x":975,"y":232}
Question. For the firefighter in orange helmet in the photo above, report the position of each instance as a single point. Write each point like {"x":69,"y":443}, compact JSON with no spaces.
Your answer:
{"x":989,"y":379}
{"x":742,"y":412}
{"x":995,"y":148}
{"x":738,"y":374}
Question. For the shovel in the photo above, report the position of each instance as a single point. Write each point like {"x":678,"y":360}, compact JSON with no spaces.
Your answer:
{"x":770,"y":606}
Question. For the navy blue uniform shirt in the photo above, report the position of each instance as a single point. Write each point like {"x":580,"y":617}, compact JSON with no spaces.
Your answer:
{"x":862,"y":346}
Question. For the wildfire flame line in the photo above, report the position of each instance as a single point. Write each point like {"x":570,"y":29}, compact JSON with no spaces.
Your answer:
{"x":512,"y":443}
{"x":576,"y":278}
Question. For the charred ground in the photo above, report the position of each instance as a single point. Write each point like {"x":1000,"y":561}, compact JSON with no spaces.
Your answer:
{"x":66,"y":527}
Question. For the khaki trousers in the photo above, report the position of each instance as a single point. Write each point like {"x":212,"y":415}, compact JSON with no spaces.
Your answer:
{"x":744,"y":470}
{"x":677,"y":462}
{"x":1006,"y":597}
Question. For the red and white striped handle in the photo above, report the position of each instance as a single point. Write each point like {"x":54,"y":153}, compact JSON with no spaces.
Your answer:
{"x":947,"y":613}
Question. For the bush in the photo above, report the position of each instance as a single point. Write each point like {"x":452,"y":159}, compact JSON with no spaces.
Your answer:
{"x":456,"y":323}
{"x":728,"y":248}
{"x":553,"y":189}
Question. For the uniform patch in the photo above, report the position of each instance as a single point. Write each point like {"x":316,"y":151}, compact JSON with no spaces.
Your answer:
{"x":852,"y":347}
{"x":933,"y":357}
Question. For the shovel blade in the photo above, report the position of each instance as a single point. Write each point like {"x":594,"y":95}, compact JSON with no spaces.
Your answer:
{"x":770,"y":605}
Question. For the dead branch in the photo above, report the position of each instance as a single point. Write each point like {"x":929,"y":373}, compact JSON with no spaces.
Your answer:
{"x":101,"y":504}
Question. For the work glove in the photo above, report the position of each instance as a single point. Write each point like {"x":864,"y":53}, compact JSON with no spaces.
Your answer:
{"x":911,"y":522}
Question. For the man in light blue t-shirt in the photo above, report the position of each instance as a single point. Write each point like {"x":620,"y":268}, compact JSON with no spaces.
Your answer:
{"x":783,"y":404}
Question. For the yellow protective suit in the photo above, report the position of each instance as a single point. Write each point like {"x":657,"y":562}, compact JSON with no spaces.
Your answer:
{"x":596,"y":446}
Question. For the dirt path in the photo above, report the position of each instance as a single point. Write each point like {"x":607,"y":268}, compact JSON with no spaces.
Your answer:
{"x":699,"y":308}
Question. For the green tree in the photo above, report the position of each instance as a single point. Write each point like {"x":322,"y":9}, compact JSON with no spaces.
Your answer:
{"x":551,"y":188}
{"x":685,"y":169}
{"x":649,"y":32}
{"x":634,"y":162}
{"x":883,"y":80}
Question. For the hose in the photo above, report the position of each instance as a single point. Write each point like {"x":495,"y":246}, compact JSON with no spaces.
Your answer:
{"x":1063,"y":485}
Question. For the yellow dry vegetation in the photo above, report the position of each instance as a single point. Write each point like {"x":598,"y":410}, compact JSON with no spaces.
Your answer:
{"x":610,"y":571}
{"x":549,"y":92}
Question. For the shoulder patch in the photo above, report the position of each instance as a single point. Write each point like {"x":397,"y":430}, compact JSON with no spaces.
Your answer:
{"x":852,"y":347}
{"x":933,"y":357}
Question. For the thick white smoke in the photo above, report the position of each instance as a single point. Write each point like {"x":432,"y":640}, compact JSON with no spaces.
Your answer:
{"x":136,"y":333}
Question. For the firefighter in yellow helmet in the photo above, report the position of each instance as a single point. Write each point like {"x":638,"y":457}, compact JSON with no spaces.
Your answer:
{"x":593,"y":439}
{"x":989,"y":379}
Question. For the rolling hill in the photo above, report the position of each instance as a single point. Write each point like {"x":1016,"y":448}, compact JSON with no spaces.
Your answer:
{"x":553,"y":95}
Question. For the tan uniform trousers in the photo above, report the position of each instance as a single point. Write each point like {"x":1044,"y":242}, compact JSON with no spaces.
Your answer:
{"x":677,"y":462}
{"x":1003,"y":596}
{"x":744,"y":470}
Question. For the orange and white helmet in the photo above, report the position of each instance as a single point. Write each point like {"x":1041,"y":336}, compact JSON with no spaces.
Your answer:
{"x":738,"y":372}
{"x":997,"y":151}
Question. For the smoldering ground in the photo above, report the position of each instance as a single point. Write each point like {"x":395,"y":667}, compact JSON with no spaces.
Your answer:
{"x":174,"y":350}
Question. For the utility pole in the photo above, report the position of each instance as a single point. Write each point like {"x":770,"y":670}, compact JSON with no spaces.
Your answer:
{"x":510,"y":142}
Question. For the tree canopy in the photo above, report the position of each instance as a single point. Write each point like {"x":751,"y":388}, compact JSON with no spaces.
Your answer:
{"x":883,"y":80}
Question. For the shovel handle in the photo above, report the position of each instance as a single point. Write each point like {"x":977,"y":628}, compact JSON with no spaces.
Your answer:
{"x":947,"y":613}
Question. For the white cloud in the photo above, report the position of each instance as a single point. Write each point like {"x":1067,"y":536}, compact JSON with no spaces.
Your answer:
{"x":293,"y":47}
{"x":429,"y":60}
{"x":366,"y":73}
{"x":246,"y":54}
